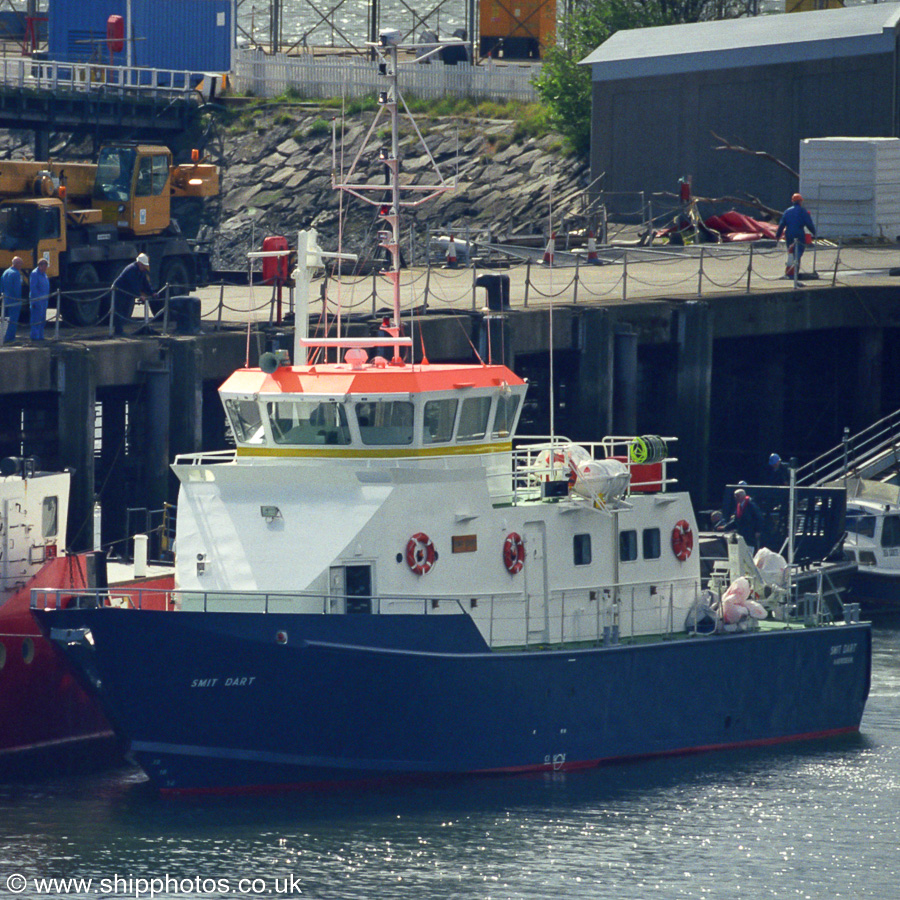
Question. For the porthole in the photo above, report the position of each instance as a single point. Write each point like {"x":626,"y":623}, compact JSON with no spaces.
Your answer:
{"x":28,"y":650}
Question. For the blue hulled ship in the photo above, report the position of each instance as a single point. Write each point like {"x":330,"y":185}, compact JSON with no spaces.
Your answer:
{"x":382,"y":581}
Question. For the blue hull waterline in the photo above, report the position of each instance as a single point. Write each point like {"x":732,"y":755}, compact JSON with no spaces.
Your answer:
{"x":349,"y":699}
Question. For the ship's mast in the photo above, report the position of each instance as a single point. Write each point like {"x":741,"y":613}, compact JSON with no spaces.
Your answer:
{"x":387,"y":50}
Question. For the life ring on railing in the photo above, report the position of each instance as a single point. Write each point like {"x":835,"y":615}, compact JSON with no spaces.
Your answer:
{"x":682,"y":540}
{"x":513,"y":553}
{"x":420,"y":553}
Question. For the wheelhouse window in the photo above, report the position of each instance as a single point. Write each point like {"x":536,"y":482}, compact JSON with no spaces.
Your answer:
{"x":473,"y":418}
{"x":890,"y":531}
{"x":861,"y":524}
{"x":505,"y":417}
{"x":50,"y":517}
{"x":385,"y":421}
{"x":438,"y":419}
{"x":651,"y":543}
{"x":245,"y":420}
{"x":308,"y":422}
{"x":628,"y":546}
{"x":581,"y":547}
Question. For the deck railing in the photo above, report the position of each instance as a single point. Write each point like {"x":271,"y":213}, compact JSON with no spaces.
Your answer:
{"x":591,"y":615}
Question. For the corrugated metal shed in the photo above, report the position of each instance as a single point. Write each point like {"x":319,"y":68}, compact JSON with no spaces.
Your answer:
{"x":192,"y":35}
{"x":851,"y":186}
{"x":731,"y":43}
{"x":663,"y":97}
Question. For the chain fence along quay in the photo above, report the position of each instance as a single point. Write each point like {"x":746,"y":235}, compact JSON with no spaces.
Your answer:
{"x":617,"y":275}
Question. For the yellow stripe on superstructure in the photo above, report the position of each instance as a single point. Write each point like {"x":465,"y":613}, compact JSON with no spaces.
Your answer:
{"x":393,"y":453}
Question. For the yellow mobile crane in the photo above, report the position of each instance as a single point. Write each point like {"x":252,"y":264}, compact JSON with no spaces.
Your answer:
{"x":90,"y":220}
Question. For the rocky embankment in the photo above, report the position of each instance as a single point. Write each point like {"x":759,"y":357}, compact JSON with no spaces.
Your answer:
{"x":277,"y":174}
{"x":276,"y":178}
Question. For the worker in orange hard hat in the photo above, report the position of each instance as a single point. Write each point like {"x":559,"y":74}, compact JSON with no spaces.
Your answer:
{"x":795,"y":222}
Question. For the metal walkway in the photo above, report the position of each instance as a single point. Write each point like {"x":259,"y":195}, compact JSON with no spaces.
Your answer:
{"x":873,"y":454}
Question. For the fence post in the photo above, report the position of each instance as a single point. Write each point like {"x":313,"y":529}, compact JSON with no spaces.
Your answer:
{"x":427,"y":283}
{"x":166,"y":311}
{"x":837,"y":258}
{"x":700,"y":274}
{"x":749,"y":267}
{"x":222,"y":304}
{"x":575,"y":288}
{"x":112,"y":312}
{"x":56,"y":322}
{"x":474,"y":279}
{"x":625,"y":276}
{"x":527,"y":279}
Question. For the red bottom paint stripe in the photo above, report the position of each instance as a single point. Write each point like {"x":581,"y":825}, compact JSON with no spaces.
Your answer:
{"x":363,"y":783}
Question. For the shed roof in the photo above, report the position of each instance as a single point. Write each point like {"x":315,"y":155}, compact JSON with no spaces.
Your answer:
{"x":737,"y":43}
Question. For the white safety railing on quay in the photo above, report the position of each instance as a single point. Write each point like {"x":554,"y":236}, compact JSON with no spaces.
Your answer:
{"x":323,"y":77}
{"x":28,"y":72}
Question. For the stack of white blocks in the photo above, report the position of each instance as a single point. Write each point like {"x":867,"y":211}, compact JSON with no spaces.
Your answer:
{"x":851,"y":186}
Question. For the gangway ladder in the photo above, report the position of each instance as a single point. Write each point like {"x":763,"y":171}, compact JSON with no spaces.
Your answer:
{"x":869,"y":454}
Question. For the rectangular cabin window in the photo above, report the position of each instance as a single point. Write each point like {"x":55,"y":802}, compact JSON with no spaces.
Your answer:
{"x":581,"y":549}
{"x":505,"y":417}
{"x":860,"y":524}
{"x":650,"y":538}
{"x":245,"y":420}
{"x":890,"y":531}
{"x":48,"y":223}
{"x":385,"y":421}
{"x":160,"y":173}
{"x":628,"y":546}
{"x":115,"y":168}
{"x":473,"y":418}
{"x":50,"y":517}
{"x":153,"y":171}
{"x":438,"y":420}
{"x":308,"y":422}
{"x":17,"y":226}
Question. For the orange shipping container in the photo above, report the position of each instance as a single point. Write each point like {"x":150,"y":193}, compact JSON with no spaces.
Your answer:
{"x":516,"y":29}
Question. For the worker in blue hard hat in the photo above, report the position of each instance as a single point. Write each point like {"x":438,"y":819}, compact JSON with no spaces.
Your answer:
{"x":777,"y":473}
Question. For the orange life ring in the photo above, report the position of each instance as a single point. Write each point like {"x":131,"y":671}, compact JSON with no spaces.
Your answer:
{"x":420,"y":553}
{"x":513,"y":553}
{"x":682,"y":540}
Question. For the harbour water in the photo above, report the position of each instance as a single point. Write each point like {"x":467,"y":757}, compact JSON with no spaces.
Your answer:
{"x":806,"y":821}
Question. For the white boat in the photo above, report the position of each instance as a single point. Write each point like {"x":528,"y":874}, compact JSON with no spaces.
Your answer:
{"x":873,"y":543}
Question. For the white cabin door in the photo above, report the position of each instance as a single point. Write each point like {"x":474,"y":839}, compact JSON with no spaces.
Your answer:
{"x":535,"y":569}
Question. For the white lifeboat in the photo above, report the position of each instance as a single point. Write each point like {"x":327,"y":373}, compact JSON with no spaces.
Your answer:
{"x":606,"y":480}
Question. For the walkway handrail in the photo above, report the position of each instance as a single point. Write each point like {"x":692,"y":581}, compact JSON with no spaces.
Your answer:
{"x":865,"y":454}
{"x":27,"y":72}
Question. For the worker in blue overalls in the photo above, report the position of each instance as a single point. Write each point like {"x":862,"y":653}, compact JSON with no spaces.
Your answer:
{"x":11,"y":285}
{"x":794,"y":224}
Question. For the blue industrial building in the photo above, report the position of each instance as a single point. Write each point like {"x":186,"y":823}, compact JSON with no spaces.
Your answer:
{"x":191,"y":35}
